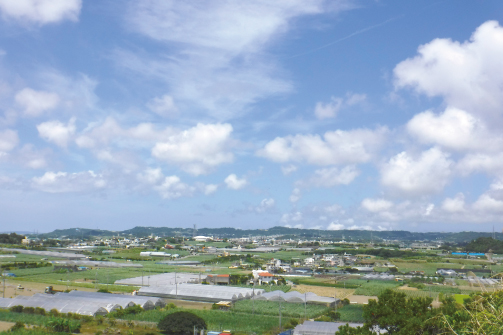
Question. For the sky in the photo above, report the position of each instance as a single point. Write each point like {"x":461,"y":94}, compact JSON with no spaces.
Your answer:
{"x":317,"y":114}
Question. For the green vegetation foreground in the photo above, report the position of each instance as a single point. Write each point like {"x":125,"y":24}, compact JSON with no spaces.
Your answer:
{"x":481,"y":314}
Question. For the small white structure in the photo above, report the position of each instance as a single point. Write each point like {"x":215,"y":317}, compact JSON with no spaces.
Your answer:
{"x":203,"y":238}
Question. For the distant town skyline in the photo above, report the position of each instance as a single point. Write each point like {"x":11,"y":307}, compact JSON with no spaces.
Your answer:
{"x":344,"y":114}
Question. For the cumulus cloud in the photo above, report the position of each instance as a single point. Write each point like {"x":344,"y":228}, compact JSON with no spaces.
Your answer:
{"x":288,"y":169}
{"x":291,"y":217}
{"x":376,"y":205}
{"x":171,"y":187}
{"x":336,"y":147}
{"x":197,"y":150}
{"x":454,"y":129}
{"x":467,"y":75}
{"x":234,"y":183}
{"x":426,"y":174}
{"x":332,"y":108}
{"x":296,"y":195}
{"x":64,"y":182}
{"x":454,"y":205}
{"x":35,"y":103}
{"x":163,"y":106}
{"x":8,"y":140}
{"x":488,"y":203}
{"x":481,"y":162}
{"x":330,"y":177}
{"x":41,"y":11}
{"x":266,"y":205}
{"x":57,"y":132}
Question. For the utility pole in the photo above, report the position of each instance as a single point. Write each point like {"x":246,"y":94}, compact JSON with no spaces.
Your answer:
{"x":176,"y":287}
{"x":305,"y":305}
{"x":3,"y":292}
{"x":280,"y":315}
{"x":141,"y":278}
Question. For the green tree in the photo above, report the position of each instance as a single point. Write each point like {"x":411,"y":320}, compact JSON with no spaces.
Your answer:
{"x":396,"y":314}
{"x":181,"y":323}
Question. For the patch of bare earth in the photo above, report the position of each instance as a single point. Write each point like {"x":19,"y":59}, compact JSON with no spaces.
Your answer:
{"x":340,"y":293}
{"x":407,"y":288}
{"x":4,"y":325}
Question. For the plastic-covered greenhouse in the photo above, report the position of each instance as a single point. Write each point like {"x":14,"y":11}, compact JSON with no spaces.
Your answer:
{"x":161,"y":279}
{"x":297,"y":297}
{"x":199,"y":292}
{"x":80,"y":302}
{"x":99,"y":264}
{"x":320,"y":328}
{"x":46,"y":253}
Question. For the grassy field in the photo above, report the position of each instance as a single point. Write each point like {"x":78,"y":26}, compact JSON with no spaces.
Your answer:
{"x":418,"y":293}
{"x":460,"y":298}
{"x":217,"y":320}
{"x":272,"y":308}
{"x":375,"y":287}
{"x":351,"y":313}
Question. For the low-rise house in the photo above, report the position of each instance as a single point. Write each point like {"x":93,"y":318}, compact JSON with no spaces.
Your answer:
{"x":218,"y":279}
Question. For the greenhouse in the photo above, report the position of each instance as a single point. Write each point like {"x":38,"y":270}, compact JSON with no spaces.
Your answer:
{"x":199,"y":292}
{"x":144,"y":302}
{"x":162,"y":279}
{"x":84,"y":303}
{"x":377,"y":276}
{"x":62,"y":306}
{"x":297,"y":297}
{"x":99,"y":264}
{"x":46,"y":253}
{"x":320,"y":328}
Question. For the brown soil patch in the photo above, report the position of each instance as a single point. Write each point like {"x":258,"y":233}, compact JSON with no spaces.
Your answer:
{"x":30,"y":288}
{"x":407,"y":288}
{"x":4,"y":325}
{"x":340,"y":293}
{"x":189,"y":304}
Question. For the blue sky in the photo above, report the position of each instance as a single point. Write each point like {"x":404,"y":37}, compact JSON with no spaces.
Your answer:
{"x":315,"y":114}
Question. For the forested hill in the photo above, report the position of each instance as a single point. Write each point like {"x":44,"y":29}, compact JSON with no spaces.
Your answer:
{"x":348,"y":235}
{"x":484,"y":244}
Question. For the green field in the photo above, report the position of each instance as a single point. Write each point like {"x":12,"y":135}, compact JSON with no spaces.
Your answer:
{"x":375,"y":287}
{"x":272,"y":308}
{"x":351,"y":313}
{"x":217,"y":320}
{"x":460,"y":298}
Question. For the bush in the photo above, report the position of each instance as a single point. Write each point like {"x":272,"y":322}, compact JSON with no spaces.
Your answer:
{"x":54,"y":312}
{"x":16,"y":309}
{"x":181,"y":323}
{"x":61,"y":325}
{"x":17,"y":326}
{"x":29,"y":310}
{"x":39,"y":311}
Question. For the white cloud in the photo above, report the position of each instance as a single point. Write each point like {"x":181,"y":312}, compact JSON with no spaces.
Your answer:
{"x":454,"y":129}
{"x":291,"y":217}
{"x":234,"y":183}
{"x":487,"y":203}
{"x":330,"y":177}
{"x":454,"y":205}
{"x":172,"y":188}
{"x":332,"y":108}
{"x":210,"y":189}
{"x":266,"y":205}
{"x":336,"y":147}
{"x":197,"y":150}
{"x":63,"y":182}
{"x":57,"y":132}
{"x":8,"y":140}
{"x":467,"y":75}
{"x":335,"y":226}
{"x":35,"y":103}
{"x":41,"y":11}
{"x":481,"y":162}
{"x":426,"y":174}
{"x":219,"y":62}
{"x":376,"y":205}
{"x":164,"y":106}
{"x":296,"y":194}
{"x":288,"y":169}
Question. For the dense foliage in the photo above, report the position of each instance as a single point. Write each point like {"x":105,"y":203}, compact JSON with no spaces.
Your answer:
{"x":12,"y":238}
{"x":397,"y":314}
{"x":484,"y":244}
{"x":181,"y":323}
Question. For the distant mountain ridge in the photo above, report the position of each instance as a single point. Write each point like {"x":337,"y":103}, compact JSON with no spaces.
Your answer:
{"x":348,"y":235}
